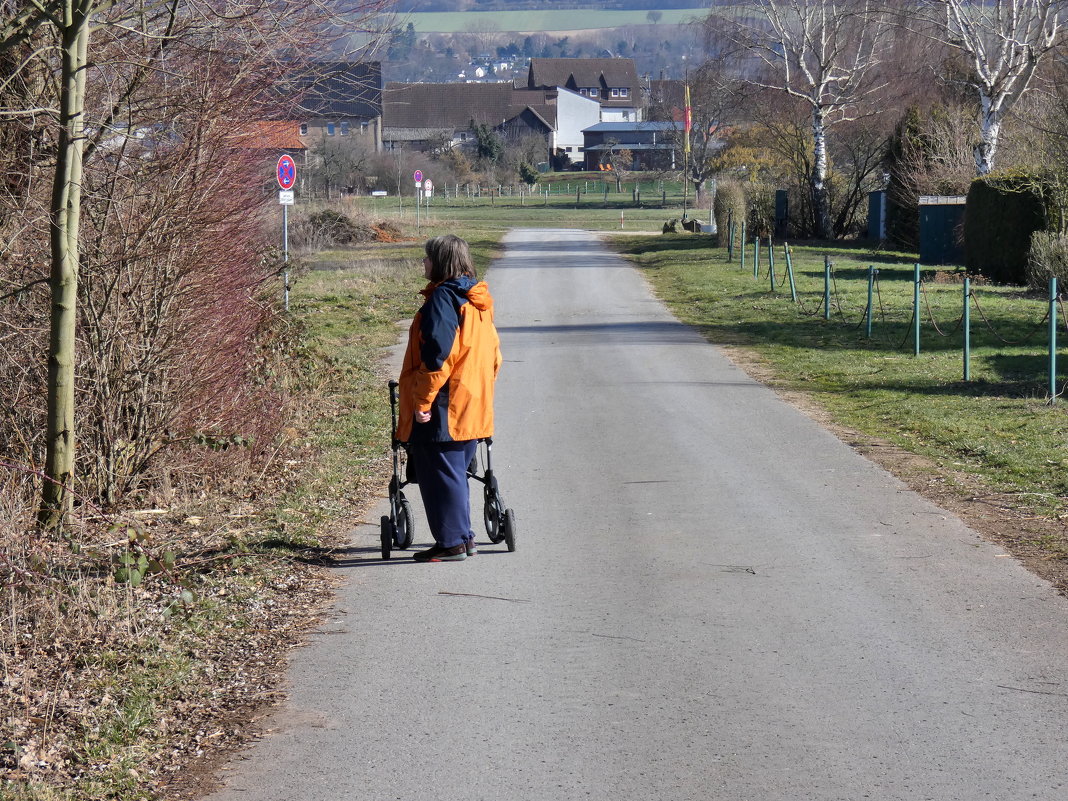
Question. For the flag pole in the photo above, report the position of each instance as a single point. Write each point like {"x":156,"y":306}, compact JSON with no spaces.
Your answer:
{"x":687,"y":124}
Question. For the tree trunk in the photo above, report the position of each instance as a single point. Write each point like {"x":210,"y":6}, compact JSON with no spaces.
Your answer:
{"x":821,"y":200}
{"x":56,"y":495}
{"x":989,"y":131}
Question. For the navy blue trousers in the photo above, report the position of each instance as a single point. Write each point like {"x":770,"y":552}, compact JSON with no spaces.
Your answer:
{"x":441,"y":470}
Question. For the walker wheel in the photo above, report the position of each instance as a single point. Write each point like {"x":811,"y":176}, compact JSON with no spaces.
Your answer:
{"x":509,"y":529}
{"x":387,"y":536}
{"x":405,"y":524}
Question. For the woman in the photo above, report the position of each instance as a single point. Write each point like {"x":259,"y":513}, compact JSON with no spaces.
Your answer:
{"x":446,"y":392}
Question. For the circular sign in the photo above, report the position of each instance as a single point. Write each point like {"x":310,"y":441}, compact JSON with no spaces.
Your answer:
{"x":287,"y":172}
{"x":418,"y":176}
{"x":428,"y":186}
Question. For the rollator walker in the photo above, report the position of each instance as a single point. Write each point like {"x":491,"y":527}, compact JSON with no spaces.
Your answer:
{"x":398,"y":527}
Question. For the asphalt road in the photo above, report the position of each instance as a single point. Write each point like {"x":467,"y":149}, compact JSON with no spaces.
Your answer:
{"x":711,"y":598}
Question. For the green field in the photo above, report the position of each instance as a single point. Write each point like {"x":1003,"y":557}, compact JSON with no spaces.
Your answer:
{"x":537,"y":21}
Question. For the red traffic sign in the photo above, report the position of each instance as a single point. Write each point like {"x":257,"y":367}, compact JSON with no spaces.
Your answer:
{"x":418,"y":176}
{"x":287,"y":172}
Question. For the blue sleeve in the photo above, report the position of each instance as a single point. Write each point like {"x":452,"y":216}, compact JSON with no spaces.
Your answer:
{"x":438,"y":325}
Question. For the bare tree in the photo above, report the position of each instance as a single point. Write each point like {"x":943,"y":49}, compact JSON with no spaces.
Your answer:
{"x":112,"y":59}
{"x":825,"y":53}
{"x":1004,"y":42}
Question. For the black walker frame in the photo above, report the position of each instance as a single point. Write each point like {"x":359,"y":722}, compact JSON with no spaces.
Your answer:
{"x":398,"y":527}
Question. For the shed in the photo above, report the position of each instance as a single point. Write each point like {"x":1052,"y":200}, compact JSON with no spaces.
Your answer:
{"x":941,"y":221}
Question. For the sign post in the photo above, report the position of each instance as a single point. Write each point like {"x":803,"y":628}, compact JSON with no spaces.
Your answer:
{"x":286,"y":173}
{"x":418,"y":196}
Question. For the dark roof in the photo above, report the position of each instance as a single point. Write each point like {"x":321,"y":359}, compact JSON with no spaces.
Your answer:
{"x":340,"y":89}
{"x":619,"y":127}
{"x":455,"y":105}
{"x":576,"y":73}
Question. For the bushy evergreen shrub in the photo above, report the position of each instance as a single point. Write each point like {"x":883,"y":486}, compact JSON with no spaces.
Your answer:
{"x":1003,"y":210}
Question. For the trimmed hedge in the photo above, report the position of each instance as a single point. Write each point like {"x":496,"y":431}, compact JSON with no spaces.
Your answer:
{"x":1003,"y":210}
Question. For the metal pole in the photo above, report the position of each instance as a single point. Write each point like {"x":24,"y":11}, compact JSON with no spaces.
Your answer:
{"x":916,"y":310}
{"x":741,"y":246}
{"x":826,"y":287}
{"x":966,"y":322}
{"x":1053,"y":340}
{"x":871,"y":286}
{"x":790,"y":272}
{"x":771,"y":263}
{"x":756,"y":258}
{"x":285,"y":255}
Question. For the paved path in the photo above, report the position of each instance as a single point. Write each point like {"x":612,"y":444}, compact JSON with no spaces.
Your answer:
{"x":712,"y":598}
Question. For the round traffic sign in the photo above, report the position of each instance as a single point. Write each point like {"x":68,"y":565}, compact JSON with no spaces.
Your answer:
{"x":287,"y":172}
{"x":418,"y":176}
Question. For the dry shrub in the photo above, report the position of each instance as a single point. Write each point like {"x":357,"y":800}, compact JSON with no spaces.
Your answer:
{"x":1047,"y":258}
{"x":179,"y":332}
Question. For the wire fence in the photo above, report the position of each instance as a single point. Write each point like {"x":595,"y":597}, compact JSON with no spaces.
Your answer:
{"x":920,"y":319}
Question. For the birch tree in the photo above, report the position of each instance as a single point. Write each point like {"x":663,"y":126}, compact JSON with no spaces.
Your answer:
{"x":1003,"y":43}
{"x":824,"y":53}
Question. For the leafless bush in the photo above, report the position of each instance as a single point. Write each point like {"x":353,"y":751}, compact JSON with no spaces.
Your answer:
{"x":1047,"y":258}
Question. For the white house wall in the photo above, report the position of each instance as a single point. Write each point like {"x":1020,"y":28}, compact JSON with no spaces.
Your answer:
{"x":618,"y":114}
{"x":573,"y":114}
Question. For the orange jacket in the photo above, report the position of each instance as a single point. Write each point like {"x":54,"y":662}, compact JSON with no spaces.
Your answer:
{"x":452,"y":360}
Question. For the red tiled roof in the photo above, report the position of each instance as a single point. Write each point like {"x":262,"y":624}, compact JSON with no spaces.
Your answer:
{"x":268,"y":135}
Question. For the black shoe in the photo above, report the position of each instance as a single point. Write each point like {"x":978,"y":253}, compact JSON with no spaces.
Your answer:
{"x":438,"y":554}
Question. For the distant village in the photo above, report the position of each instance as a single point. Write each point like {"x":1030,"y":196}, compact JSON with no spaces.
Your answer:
{"x":577,"y":111}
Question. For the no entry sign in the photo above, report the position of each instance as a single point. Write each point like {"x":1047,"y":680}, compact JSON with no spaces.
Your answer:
{"x":287,"y":172}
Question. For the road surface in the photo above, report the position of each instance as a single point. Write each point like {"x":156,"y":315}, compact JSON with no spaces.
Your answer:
{"x":711,"y":598}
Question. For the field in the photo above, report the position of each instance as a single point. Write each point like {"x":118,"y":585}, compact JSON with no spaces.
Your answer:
{"x":540,"y":21}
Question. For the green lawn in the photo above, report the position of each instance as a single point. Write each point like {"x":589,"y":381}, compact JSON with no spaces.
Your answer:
{"x":998,"y":426}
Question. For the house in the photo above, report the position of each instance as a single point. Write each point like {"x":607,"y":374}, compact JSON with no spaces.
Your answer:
{"x":653,"y":145}
{"x":339,"y":99}
{"x":273,"y":137}
{"x":434,"y":116}
{"x":612,"y":82}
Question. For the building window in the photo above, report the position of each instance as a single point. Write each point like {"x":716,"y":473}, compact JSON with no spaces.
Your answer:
{"x":304,"y":129}
{"x":593,"y":92}
{"x":344,"y":127}
{"x":624,"y":92}
{"x":330,"y":129}
{"x":615,"y":93}
{"x":364,"y":125}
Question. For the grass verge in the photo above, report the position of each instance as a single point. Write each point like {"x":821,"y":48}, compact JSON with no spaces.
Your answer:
{"x":994,"y":440}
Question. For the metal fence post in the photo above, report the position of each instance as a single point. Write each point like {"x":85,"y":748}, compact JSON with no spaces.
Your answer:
{"x":1053,"y":339}
{"x":790,"y":272}
{"x":771,"y":263}
{"x":826,"y":287}
{"x":966,"y":322}
{"x":756,"y":258}
{"x":741,"y":246}
{"x":916,"y":310}
{"x":871,"y":286}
